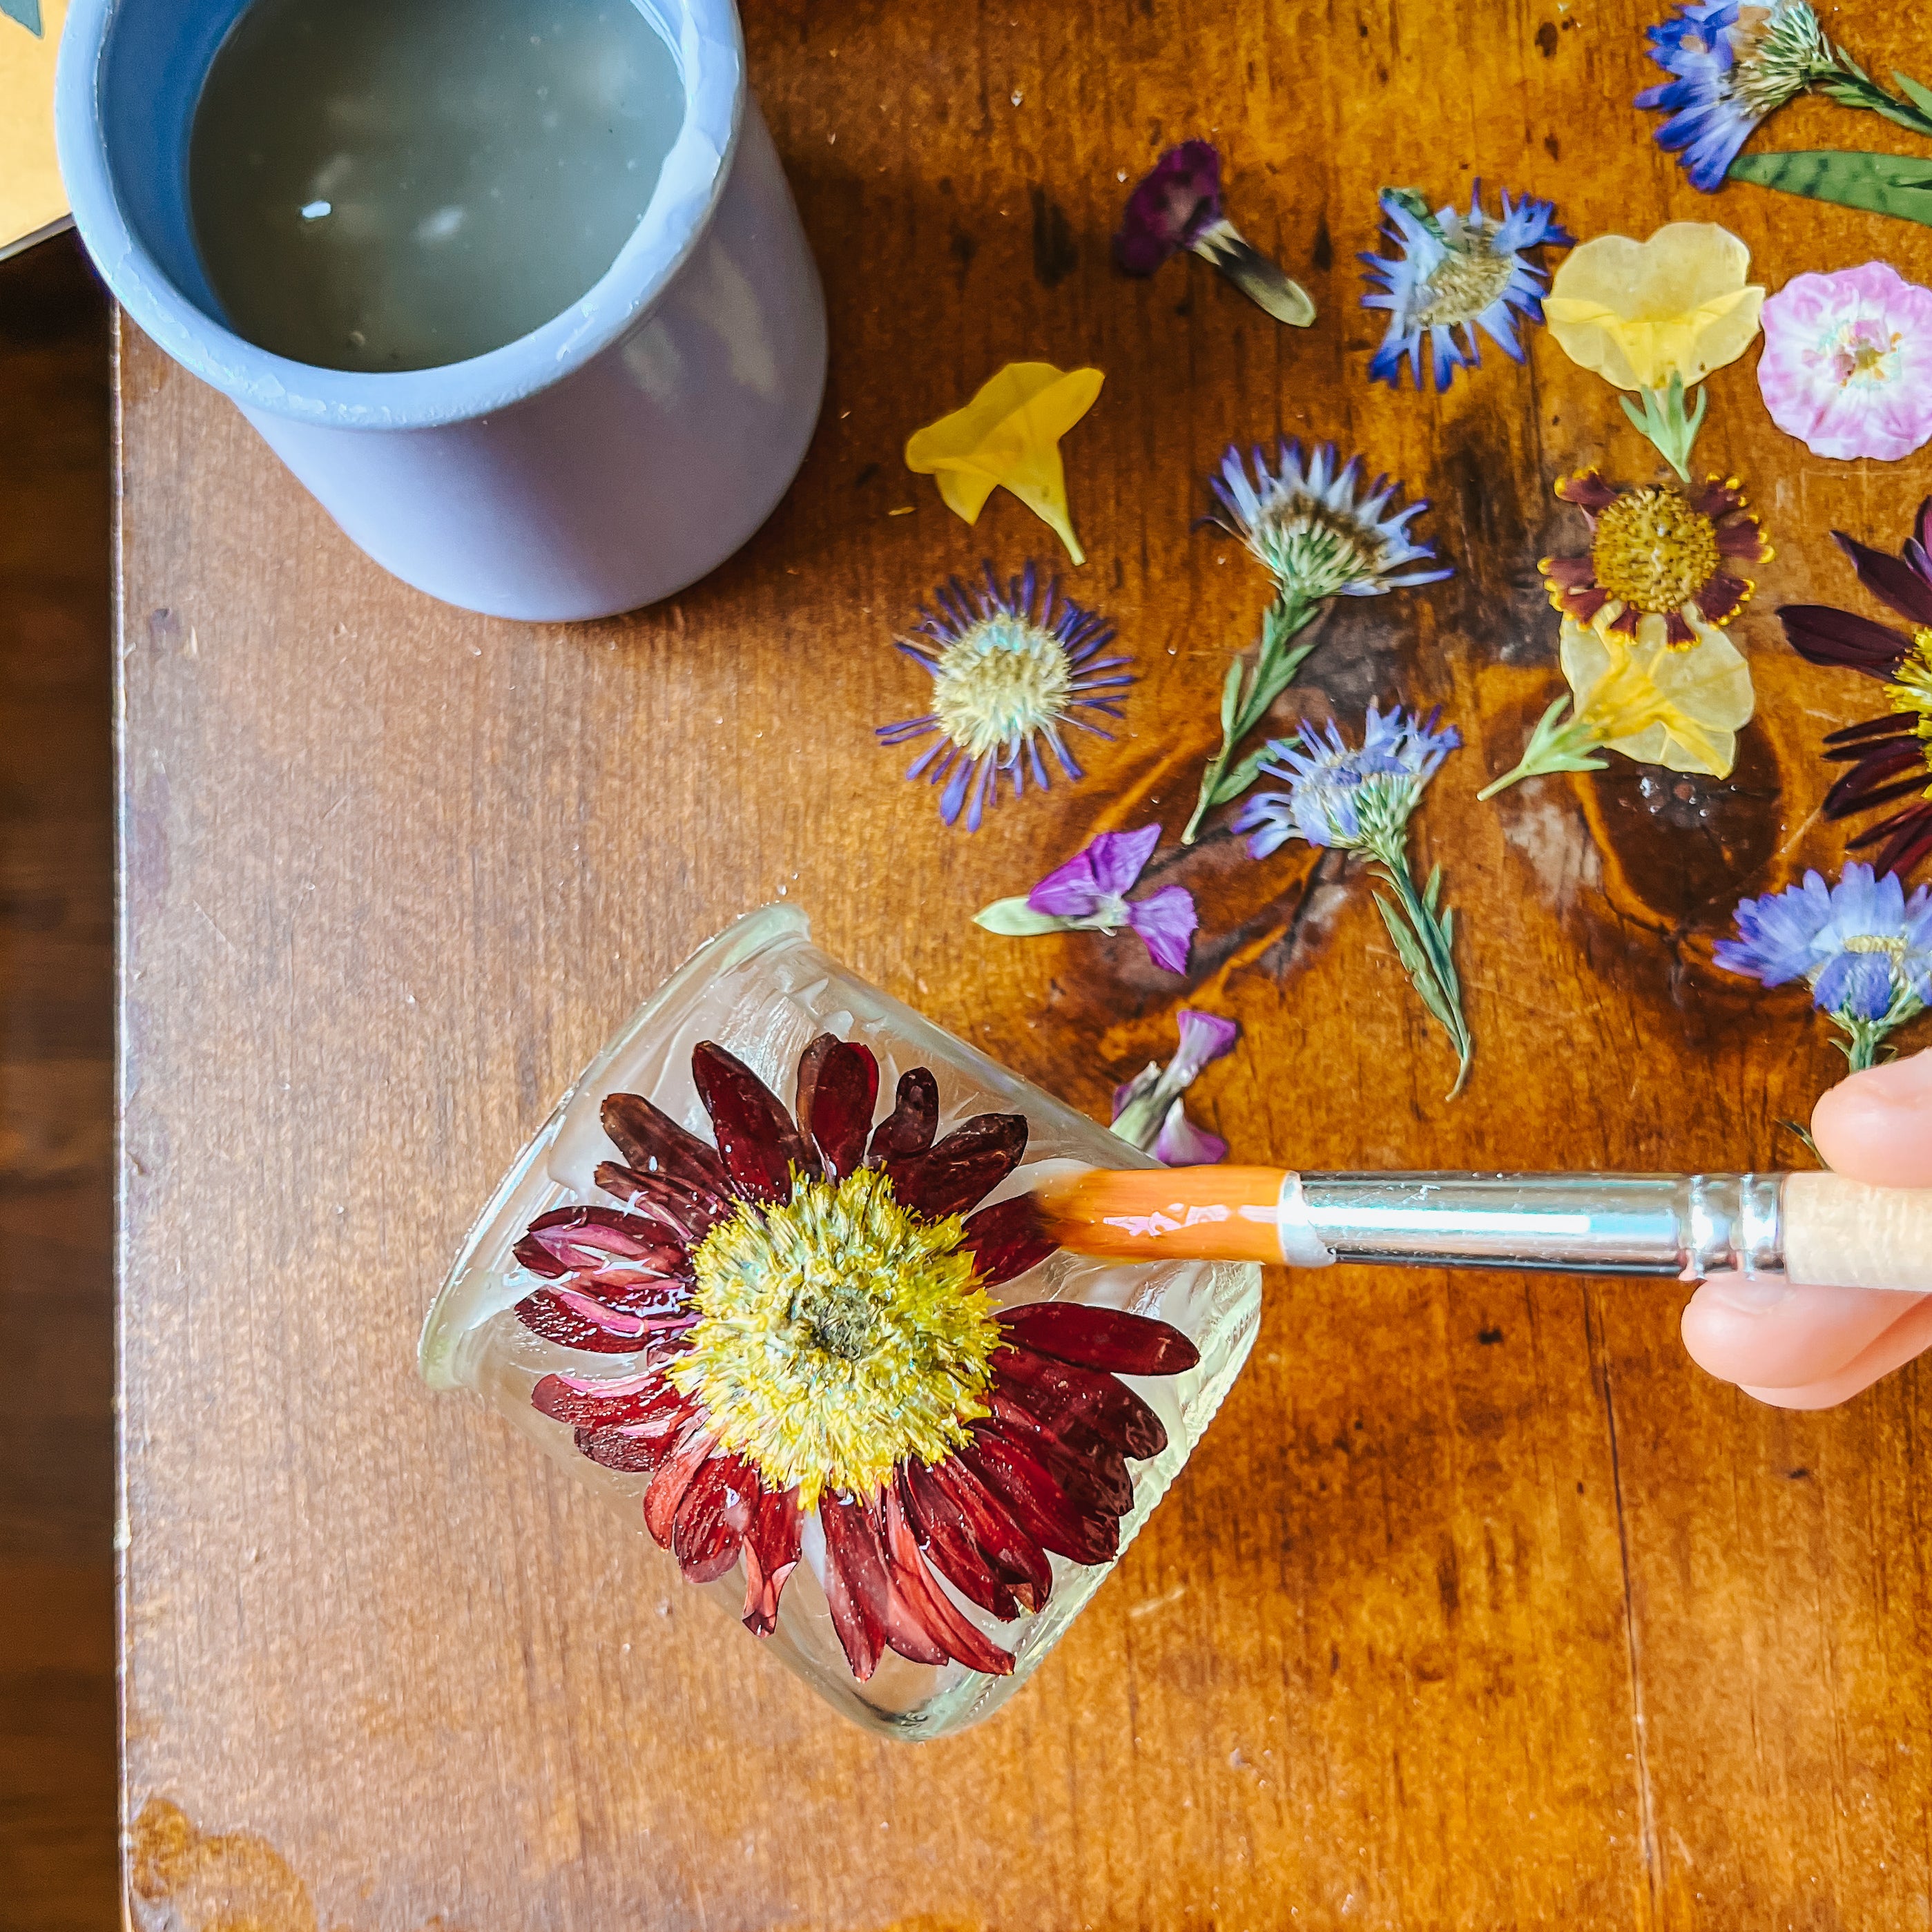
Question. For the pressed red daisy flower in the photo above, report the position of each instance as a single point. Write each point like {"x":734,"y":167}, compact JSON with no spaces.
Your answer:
{"x":812,"y":1338}
{"x":1890,"y":757}
{"x":1656,"y":552}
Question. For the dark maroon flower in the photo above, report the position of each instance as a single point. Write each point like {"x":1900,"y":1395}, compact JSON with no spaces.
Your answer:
{"x":809,"y":1333}
{"x":1891,"y":756}
{"x":1177,"y":205}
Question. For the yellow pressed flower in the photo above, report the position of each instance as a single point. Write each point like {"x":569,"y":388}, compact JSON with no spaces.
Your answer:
{"x":1682,"y":708}
{"x":1008,"y":435}
{"x":1657,"y":316}
{"x":1638,"y":313}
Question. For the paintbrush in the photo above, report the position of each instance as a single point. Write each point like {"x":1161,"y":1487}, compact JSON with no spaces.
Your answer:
{"x":1818,"y":1228}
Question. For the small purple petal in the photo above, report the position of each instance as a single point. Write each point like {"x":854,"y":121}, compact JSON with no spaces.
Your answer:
{"x":1069,"y":891}
{"x":1181,"y":1144}
{"x":1205,"y":1038}
{"x":1120,"y":858}
{"x":1167,"y":921}
{"x":1173,"y":203}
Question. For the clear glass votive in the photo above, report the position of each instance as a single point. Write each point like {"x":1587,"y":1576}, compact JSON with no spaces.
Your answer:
{"x":763,"y":991}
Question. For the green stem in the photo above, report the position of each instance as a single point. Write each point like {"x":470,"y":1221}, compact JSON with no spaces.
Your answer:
{"x":1864,"y":1044}
{"x":1851,"y":86}
{"x":1246,"y":697}
{"x":1553,"y":746}
{"x":1663,"y":420}
{"x":1425,"y":947}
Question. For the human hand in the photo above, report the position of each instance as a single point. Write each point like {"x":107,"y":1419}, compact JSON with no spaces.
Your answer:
{"x":1810,"y":1347}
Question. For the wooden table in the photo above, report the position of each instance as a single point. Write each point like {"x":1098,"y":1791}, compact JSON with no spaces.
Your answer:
{"x":1479,"y":1606}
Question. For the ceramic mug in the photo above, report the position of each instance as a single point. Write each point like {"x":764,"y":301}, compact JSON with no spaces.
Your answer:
{"x":603,"y":461}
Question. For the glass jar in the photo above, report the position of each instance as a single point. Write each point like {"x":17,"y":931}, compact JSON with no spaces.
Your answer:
{"x":762,"y":990}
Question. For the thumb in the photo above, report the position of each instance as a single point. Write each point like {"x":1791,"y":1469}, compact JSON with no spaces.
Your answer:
{"x":1877,"y":1125}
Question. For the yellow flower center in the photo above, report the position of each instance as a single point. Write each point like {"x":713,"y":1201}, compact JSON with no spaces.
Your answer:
{"x":1653,"y":551}
{"x":1911,"y":686}
{"x":1005,"y":680}
{"x":838,"y":1336}
{"x":1870,"y":942}
{"x":1464,"y":284}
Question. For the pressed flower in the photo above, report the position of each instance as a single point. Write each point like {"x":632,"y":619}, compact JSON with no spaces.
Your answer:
{"x":809,"y":1334}
{"x":1657,"y":704}
{"x":1733,"y":63}
{"x":1008,"y":436}
{"x":1011,"y":667}
{"x":1149,"y":1112}
{"x":1847,"y":362}
{"x":1453,"y":272}
{"x":1178,"y":204}
{"x":1089,"y":894}
{"x":1863,"y":948}
{"x":1891,"y":756}
{"x":1657,"y":316}
{"x":1320,"y":532}
{"x":1355,"y":798}
{"x":1660,"y":558}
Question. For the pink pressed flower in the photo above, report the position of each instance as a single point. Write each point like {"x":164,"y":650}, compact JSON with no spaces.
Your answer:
{"x":1089,"y":893}
{"x":1847,"y":362}
{"x":1148,"y":1109}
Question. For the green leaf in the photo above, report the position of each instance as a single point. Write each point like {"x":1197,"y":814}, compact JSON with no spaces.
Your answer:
{"x":1921,"y":98}
{"x":1018,"y":920}
{"x":27,"y":12}
{"x":1231,"y":698}
{"x":1898,"y":184}
{"x":1232,"y":784}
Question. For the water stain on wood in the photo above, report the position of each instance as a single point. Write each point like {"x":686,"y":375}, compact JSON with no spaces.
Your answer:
{"x":1054,"y":255}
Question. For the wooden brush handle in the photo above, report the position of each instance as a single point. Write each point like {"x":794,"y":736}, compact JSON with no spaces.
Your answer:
{"x":1843,"y":1234}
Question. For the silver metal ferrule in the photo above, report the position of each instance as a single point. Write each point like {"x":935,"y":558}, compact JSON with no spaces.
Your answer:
{"x":1687,"y":1226}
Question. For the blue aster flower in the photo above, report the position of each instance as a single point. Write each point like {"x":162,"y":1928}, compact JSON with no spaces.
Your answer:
{"x":1012,"y":666}
{"x":1862,"y":947}
{"x":1731,"y":64}
{"x":1319,"y":532}
{"x":1351,"y":798}
{"x":1452,"y":271}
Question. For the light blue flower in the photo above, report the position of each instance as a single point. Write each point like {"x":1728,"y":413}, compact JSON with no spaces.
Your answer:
{"x":1452,"y":272}
{"x":1865,"y":949}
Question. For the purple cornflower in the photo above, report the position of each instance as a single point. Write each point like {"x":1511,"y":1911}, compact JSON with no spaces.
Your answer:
{"x":1862,"y":947}
{"x":1148,"y":1110}
{"x":1089,"y":894}
{"x":1010,"y":667}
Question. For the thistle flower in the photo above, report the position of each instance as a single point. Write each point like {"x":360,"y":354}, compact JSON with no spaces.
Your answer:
{"x":1360,"y":799}
{"x":1660,"y":559}
{"x":1320,"y":534}
{"x":1148,"y":1110}
{"x":1847,"y":362}
{"x":808,"y":1332}
{"x":1891,"y":756}
{"x":1654,"y":703}
{"x":1010,"y":667}
{"x":1178,"y":205}
{"x":1452,"y":271}
{"x":1089,"y":894}
{"x":1863,"y":948}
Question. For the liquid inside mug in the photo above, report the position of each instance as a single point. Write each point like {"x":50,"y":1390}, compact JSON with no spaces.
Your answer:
{"x":763,"y":991}
{"x":604,"y":461}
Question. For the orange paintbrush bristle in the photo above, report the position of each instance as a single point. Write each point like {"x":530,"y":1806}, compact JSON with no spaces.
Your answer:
{"x":1166,"y":1213}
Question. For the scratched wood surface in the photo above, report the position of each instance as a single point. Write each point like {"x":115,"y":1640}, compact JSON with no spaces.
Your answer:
{"x":1479,"y":1606}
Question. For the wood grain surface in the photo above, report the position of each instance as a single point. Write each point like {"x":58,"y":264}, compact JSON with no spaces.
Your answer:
{"x":1479,"y":1606}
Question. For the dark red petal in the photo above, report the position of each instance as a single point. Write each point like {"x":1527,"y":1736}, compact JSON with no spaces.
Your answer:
{"x":1888,"y":724}
{"x":586,"y":1237}
{"x":710,"y":1523}
{"x":1676,"y":632}
{"x":940,"y":1529}
{"x":842,"y":1099}
{"x":1589,"y":491}
{"x":1062,"y":1397}
{"x":771,"y":1554}
{"x":1889,"y":579}
{"x":1744,"y":541}
{"x":1100,"y":1338}
{"x":1583,"y":605}
{"x":668,"y":1485}
{"x":809,"y":1062}
{"x":1569,"y":573}
{"x":604,"y":1406}
{"x":1722,"y":596}
{"x":1091,"y":1475}
{"x":1007,"y":1239}
{"x":543,"y":1313}
{"x":689,"y":1213}
{"x":616,"y":1449}
{"x":1010,"y":1469}
{"x":1826,"y":636}
{"x":937,"y":1615}
{"x":651,"y":1142}
{"x":1714,"y":500}
{"x":856,"y":1587}
{"x":1851,"y":791}
{"x":1910,"y":842}
{"x":961,"y":1170}
{"x":1625,"y":620}
{"x":909,"y":1128}
{"x":1877,"y":795}
{"x":755,"y":1134}
{"x":1005,"y":1542}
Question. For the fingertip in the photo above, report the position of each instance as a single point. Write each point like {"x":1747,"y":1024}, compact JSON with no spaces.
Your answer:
{"x":1776,"y":1334}
{"x":1877,"y":1125}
